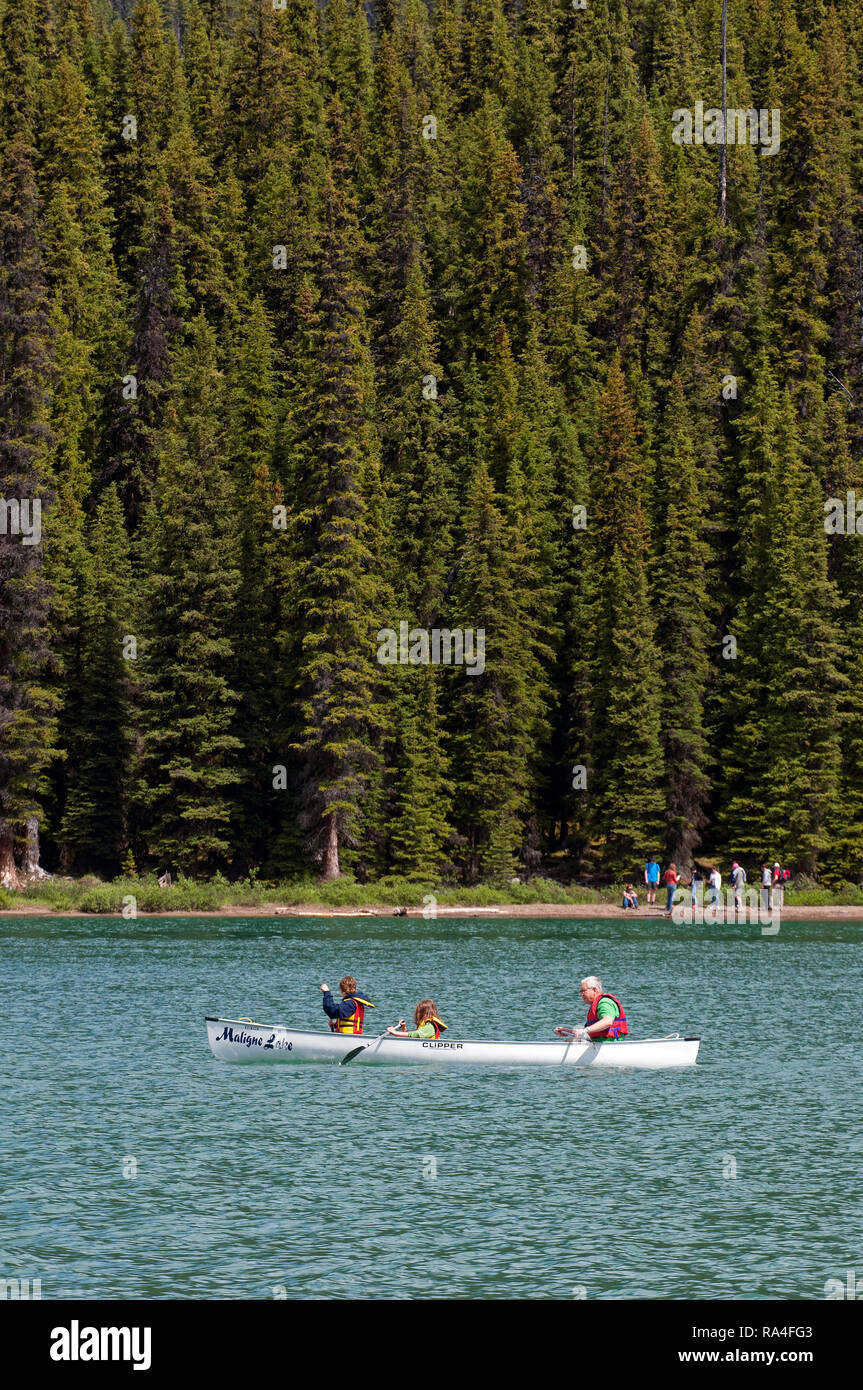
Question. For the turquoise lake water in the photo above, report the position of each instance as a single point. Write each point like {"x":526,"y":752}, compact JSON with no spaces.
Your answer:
{"x":736,"y":1179}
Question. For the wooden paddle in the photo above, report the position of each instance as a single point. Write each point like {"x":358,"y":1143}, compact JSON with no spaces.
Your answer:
{"x":355,"y":1052}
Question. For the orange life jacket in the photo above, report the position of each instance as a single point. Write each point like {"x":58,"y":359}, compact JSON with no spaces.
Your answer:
{"x":354,"y":1024}
{"x":437,"y":1023}
{"x":618,"y":1027}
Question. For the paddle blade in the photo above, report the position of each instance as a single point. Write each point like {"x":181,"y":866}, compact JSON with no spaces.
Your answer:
{"x":355,"y":1052}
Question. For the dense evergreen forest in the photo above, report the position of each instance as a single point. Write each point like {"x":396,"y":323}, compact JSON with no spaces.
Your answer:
{"x":323,"y":320}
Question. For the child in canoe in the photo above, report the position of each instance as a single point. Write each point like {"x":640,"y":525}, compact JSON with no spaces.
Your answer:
{"x":346,"y":1016}
{"x":426,"y":1022}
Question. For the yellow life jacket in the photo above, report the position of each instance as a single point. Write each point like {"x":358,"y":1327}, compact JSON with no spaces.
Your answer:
{"x":354,"y":1024}
{"x":438,"y":1023}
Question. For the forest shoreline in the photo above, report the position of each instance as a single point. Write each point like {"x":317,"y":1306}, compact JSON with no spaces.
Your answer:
{"x":312,"y":409}
{"x":797,"y":913}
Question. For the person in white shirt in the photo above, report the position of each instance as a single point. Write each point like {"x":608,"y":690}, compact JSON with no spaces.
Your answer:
{"x":715,"y":883}
{"x":766,"y":886}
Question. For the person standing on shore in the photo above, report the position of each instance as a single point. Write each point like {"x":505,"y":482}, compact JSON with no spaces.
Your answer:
{"x":651,"y":878}
{"x":737,"y":881}
{"x":695,"y":883}
{"x":715,"y":882}
{"x":766,"y":886}
{"x":778,"y":896}
{"x":670,"y":879}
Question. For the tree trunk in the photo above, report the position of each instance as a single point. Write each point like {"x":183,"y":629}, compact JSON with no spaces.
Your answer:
{"x":31,"y":869}
{"x":330,"y":860}
{"x":9,"y":875}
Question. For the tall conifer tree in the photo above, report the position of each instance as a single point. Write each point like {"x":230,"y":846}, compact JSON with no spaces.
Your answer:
{"x":189,"y":768}
{"x":628,"y":763}
{"x":341,"y":603}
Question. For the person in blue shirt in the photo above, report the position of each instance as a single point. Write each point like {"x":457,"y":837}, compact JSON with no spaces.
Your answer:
{"x":346,"y":1016}
{"x":651,"y":878}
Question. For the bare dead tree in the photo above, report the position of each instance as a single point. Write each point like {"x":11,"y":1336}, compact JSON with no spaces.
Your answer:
{"x":31,"y":869}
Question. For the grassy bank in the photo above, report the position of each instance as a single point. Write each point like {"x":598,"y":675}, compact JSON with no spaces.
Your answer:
{"x":189,"y":895}
{"x":66,"y":895}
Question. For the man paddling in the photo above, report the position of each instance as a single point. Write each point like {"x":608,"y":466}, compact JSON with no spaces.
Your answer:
{"x":346,"y":1016}
{"x":606,"y":1020}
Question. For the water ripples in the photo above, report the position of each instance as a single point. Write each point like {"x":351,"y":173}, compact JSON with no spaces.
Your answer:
{"x":736,"y":1180}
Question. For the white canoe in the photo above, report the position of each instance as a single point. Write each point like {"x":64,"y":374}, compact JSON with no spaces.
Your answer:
{"x":239,"y":1040}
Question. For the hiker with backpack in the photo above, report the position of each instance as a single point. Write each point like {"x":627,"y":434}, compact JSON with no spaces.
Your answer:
{"x":738,"y":882}
{"x":780,"y":878}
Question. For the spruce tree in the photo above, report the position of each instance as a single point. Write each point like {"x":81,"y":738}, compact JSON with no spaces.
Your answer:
{"x":98,"y":732}
{"x":682,"y":613}
{"x":189,"y":770}
{"x":843,"y":853}
{"x":491,"y":274}
{"x":251,"y":443}
{"x":27,"y":703}
{"x":419,"y":831}
{"x":417,"y":478}
{"x":783,"y":765}
{"x":628,"y":767}
{"x":341,"y":602}
{"x":499,"y":700}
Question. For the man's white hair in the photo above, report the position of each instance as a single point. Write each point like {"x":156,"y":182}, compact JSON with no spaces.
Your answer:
{"x":592,"y":982}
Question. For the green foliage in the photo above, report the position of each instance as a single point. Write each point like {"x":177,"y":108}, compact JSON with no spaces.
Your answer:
{"x":627,"y":758}
{"x":322,"y":265}
{"x":189,"y":759}
{"x":340,"y":542}
{"x":97,"y":718}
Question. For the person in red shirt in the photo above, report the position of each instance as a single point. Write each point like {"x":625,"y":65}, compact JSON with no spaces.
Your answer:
{"x":777,"y":897}
{"x":670,"y":878}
